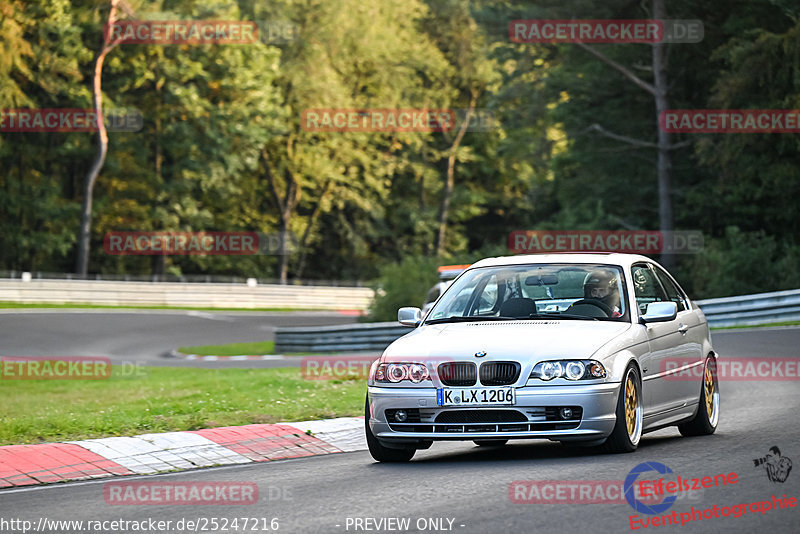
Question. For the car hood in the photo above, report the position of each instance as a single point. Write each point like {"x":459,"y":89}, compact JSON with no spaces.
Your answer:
{"x":537,"y":340}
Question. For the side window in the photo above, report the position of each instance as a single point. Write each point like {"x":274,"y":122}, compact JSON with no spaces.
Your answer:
{"x":673,"y":293}
{"x":458,"y":305}
{"x":645,"y":286}
{"x":488,"y":298}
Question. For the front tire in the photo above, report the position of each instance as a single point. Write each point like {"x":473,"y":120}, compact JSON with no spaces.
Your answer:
{"x":705,"y":421}
{"x":378,"y":451}
{"x":628,"y":428}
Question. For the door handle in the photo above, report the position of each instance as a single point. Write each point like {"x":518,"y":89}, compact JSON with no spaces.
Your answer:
{"x":683,"y":329}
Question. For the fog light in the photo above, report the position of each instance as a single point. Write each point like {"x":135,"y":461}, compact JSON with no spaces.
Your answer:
{"x":400,"y":416}
{"x":566,"y":413}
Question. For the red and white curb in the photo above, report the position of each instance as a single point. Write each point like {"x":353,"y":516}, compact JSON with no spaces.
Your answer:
{"x":211,"y":358}
{"x":25,"y":465}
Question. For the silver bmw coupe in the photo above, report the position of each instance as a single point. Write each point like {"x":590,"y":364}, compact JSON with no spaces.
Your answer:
{"x":593,"y":349}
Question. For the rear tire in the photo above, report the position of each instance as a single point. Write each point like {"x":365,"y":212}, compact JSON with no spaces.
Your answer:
{"x":628,"y":428}
{"x":490,"y":442}
{"x":705,"y":421}
{"x":378,"y":451}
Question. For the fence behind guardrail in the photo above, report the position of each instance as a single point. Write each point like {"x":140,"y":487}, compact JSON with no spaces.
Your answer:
{"x":185,"y":295}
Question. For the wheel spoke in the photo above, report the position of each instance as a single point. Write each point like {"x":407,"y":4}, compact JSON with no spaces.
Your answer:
{"x":631,"y":405}
{"x":709,"y":387}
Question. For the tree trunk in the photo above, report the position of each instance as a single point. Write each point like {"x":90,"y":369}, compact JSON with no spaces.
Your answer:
{"x":301,"y":262}
{"x":289,"y":202}
{"x":82,"y":263}
{"x":658,"y":89}
{"x":158,"y":265}
{"x":285,"y":210}
{"x":666,"y":223}
{"x":449,"y":182}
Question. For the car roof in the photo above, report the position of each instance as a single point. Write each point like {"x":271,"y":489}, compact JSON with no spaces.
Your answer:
{"x":609,"y":258}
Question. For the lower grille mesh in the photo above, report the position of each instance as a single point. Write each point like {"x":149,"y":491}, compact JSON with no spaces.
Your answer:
{"x":539,"y":419}
{"x":481,"y":416}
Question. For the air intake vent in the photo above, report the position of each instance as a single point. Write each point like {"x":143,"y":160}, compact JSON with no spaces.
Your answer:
{"x":501,"y":323}
{"x":481,"y":416}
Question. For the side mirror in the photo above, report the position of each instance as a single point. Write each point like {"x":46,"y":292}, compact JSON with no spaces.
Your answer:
{"x":410,"y":316}
{"x":659,"y":312}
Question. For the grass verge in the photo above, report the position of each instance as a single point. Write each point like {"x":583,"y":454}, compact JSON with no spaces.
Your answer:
{"x":231,"y":349}
{"x":163,"y":399}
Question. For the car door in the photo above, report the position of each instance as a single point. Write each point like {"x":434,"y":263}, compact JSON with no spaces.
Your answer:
{"x":692,"y":330}
{"x":665,"y":342}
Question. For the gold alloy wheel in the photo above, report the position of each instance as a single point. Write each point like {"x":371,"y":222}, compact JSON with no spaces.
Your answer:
{"x":631,"y":404}
{"x":708,"y":384}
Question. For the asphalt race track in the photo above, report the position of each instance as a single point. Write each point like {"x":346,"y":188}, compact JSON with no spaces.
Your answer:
{"x":146,"y":336}
{"x":469,"y":486}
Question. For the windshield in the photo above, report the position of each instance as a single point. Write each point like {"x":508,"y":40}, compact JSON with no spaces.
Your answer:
{"x":566,"y":291}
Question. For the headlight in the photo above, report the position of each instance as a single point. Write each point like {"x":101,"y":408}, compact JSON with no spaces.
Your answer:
{"x":569,"y":369}
{"x":417,"y":372}
{"x":397,"y":372}
{"x":575,"y":370}
{"x":597,"y":370}
{"x":551,"y":370}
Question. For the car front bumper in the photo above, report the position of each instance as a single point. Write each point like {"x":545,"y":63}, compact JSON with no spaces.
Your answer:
{"x":533,"y":419}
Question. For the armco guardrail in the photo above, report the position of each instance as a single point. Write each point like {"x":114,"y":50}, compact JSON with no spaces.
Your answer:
{"x":367,"y":336}
{"x":762,"y":308}
{"x":185,"y":295}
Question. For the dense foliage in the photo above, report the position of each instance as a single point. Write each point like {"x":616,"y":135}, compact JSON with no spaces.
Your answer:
{"x":222,"y":147}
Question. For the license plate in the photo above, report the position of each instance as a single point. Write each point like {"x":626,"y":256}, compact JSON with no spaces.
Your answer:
{"x":476,"y":396}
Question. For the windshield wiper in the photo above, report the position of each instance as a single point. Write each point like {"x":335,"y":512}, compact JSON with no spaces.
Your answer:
{"x":547,"y":315}
{"x":471,"y":318}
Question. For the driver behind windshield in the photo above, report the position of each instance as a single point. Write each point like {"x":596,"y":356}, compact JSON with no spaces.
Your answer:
{"x":602,"y":286}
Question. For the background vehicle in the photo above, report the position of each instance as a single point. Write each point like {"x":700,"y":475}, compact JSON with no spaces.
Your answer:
{"x":447,"y":273}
